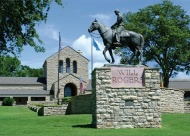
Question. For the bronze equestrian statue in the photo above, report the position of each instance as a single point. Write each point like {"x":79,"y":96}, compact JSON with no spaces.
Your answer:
{"x":119,"y":38}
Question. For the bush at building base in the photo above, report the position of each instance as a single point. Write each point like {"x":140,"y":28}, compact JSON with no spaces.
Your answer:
{"x":8,"y":101}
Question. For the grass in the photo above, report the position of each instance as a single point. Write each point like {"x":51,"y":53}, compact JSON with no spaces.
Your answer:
{"x":19,"y":121}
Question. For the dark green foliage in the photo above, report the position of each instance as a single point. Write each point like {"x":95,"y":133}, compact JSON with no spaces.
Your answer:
{"x":10,"y":67}
{"x":24,"y":71}
{"x":36,"y":72}
{"x":166,"y":29}
{"x":66,"y":99}
{"x":8,"y":101}
{"x":18,"y":19}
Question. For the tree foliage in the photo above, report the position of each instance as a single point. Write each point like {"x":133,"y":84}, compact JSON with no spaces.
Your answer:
{"x":11,"y":67}
{"x":17,"y":24}
{"x":8,"y":101}
{"x":26,"y":71}
{"x":166,"y":29}
{"x":8,"y":65}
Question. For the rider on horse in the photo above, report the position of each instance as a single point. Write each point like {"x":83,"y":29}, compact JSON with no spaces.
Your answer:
{"x":118,"y":26}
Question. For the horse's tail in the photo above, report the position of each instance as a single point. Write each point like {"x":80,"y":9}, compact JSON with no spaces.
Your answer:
{"x":141,"y":42}
{"x":141,"y":48}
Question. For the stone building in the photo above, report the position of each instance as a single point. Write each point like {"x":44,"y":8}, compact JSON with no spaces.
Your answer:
{"x":73,"y":78}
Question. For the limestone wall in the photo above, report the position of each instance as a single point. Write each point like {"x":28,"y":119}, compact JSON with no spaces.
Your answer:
{"x":172,"y":100}
{"x":125,"y":107}
{"x":52,"y":110}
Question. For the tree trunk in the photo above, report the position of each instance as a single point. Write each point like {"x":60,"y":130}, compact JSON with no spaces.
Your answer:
{"x":166,"y":80}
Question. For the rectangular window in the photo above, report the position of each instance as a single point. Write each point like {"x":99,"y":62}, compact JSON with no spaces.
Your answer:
{"x":67,"y":65}
{"x":60,"y":66}
{"x":74,"y":67}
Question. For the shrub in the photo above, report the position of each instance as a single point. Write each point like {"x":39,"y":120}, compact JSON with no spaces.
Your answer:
{"x":8,"y":101}
{"x":66,"y":100}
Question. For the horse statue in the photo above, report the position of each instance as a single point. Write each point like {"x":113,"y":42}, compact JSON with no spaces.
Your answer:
{"x":131,"y":39}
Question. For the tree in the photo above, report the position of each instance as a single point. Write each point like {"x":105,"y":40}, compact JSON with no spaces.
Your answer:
{"x":11,"y":67}
{"x":22,"y":71}
{"x":33,"y":72}
{"x":8,"y":65}
{"x":26,"y":71}
{"x":17,"y":24}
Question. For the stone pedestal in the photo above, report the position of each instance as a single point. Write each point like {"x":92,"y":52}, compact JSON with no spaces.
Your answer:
{"x":126,"y":97}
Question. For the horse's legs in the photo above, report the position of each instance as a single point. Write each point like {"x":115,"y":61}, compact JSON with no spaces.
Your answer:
{"x":131,"y":58}
{"x":104,"y":52}
{"x":111,"y":54}
{"x":139,"y":55}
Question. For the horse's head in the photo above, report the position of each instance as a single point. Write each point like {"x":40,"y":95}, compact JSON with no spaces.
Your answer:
{"x":95,"y":25}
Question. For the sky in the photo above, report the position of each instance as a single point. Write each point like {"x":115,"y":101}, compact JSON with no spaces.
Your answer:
{"x":73,"y":22}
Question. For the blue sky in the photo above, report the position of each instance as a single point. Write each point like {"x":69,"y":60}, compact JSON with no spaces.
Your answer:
{"x":73,"y":22}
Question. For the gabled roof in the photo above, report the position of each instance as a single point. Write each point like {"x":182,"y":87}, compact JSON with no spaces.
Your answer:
{"x":70,"y":75}
{"x":22,"y":80}
{"x":63,"y":49}
{"x":183,"y":84}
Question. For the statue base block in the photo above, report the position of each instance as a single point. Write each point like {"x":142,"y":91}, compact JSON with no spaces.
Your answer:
{"x":126,"y":96}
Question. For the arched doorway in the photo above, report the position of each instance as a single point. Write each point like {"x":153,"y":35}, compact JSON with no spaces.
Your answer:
{"x":70,"y":90}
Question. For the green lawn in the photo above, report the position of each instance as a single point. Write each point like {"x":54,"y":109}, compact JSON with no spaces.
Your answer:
{"x":23,"y":122}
